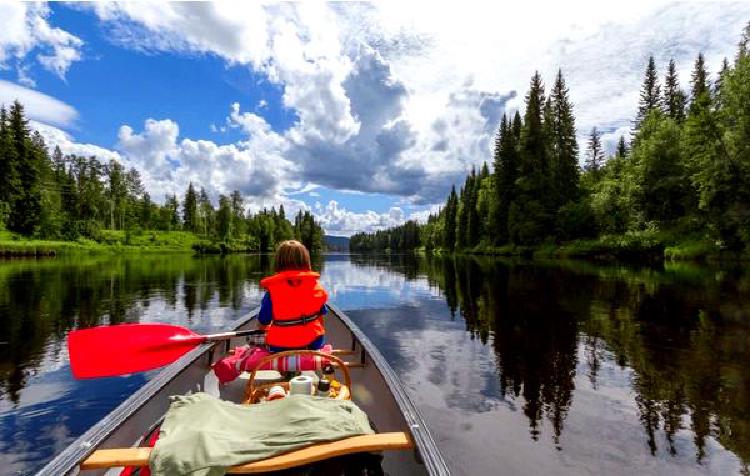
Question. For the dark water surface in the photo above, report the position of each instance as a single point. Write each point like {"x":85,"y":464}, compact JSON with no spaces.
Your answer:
{"x":519,"y":368}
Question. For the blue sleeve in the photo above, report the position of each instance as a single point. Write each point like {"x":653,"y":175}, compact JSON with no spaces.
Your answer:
{"x":324,"y":310}
{"x":265,"y":316}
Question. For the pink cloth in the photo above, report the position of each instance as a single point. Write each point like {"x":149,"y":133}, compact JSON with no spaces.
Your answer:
{"x":246,"y":358}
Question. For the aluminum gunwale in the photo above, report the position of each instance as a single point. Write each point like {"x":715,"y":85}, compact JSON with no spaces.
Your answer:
{"x":428,"y":449}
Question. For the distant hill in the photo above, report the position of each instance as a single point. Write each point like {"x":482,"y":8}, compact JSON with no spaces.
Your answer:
{"x":336,"y":243}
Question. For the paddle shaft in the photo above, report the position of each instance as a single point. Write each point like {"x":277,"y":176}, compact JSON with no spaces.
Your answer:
{"x":230,"y":335}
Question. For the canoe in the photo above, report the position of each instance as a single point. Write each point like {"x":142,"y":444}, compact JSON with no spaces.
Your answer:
{"x":403,"y":439}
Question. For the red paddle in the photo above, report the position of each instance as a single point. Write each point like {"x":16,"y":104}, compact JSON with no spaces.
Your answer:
{"x":105,"y":351}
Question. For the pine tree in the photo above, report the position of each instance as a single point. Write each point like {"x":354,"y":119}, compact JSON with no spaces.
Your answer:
{"x":565,"y":145}
{"x":516,"y":128}
{"x":674,"y":97}
{"x":449,"y":231}
{"x":650,"y":93}
{"x":699,"y":83}
{"x":190,"y":209}
{"x":622,"y":148}
{"x":11,"y":186}
{"x":532,"y":211}
{"x":717,"y":94}
{"x":26,"y":206}
{"x":472,"y":215}
{"x":506,"y":174}
{"x":594,"y":152}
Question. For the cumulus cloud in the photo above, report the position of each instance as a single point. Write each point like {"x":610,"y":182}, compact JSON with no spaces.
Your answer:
{"x":25,"y":30}
{"x":393,"y":101}
{"x":256,"y":166}
{"x":54,"y":136}
{"x":38,"y":106}
{"x":337,"y":220}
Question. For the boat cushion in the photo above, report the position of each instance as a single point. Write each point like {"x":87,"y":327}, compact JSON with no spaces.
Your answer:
{"x":202,"y":435}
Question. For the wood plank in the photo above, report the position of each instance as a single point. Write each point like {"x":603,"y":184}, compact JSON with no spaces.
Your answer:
{"x":101,"y":459}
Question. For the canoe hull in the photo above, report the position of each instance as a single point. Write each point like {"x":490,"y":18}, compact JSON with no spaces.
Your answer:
{"x":376,"y":390}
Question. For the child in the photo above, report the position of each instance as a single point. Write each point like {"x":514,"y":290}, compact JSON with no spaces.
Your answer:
{"x":292,"y":311}
{"x":294,"y":304}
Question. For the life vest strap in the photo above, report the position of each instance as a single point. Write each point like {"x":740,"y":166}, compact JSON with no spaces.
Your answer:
{"x":296,"y":322}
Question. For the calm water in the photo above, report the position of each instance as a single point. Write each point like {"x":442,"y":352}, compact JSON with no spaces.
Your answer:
{"x":519,"y":368}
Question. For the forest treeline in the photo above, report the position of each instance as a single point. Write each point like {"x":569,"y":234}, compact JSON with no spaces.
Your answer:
{"x":69,"y":197}
{"x":683,"y":172}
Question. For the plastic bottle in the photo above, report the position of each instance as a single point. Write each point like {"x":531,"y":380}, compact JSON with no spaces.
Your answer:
{"x":329,"y":374}
{"x":324,"y":388}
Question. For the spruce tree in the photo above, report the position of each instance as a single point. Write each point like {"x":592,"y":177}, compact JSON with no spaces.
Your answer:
{"x":717,"y":95}
{"x":26,"y":206}
{"x":506,"y":174}
{"x":650,"y":93}
{"x":699,"y":83}
{"x":190,"y":209}
{"x":470,"y":205}
{"x":11,"y":186}
{"x":674,"y":97}
{"x":449,"y":229}
{"x":516,"y":128}
{"x":594,"y":152}
{"x":566,"y":171}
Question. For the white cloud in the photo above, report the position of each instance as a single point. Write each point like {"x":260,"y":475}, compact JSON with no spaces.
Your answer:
{"x":38,"y":106}
{"x":256,"y":166}
{"x":337,"y":220}
{"x":57,"y":137}
{"x":26,"y":30}
{"x":394,"y":101}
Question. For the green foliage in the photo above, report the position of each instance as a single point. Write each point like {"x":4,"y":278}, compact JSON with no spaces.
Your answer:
{"x":73,"y":198}
{"x":687,"y":170}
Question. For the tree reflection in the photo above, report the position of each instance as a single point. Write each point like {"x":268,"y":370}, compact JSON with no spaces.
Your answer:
{"x":41,"y":300}
{"x":681,"y":329}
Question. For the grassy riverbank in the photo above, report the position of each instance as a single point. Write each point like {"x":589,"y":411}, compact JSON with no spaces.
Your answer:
{"x":108,"y":241}
{"x":635,"y":247}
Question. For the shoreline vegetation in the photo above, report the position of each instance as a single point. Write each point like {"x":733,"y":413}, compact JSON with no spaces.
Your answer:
{"x":51,"y":203}
{"x":675,"y":186}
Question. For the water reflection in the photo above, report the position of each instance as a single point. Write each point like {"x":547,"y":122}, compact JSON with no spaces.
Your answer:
{"x":561,"y":368}
{"x":681,"y":331}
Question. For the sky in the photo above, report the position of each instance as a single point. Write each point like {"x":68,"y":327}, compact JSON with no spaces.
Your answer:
{"x":364,"y":113}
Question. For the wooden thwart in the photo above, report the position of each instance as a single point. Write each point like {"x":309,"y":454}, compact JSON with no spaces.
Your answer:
{"x":101,"y":459}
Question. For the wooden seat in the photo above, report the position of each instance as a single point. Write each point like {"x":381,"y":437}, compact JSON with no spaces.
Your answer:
{"x":102,"y":459}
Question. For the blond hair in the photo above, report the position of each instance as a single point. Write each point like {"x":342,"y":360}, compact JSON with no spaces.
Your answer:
{"x":292,"y":255}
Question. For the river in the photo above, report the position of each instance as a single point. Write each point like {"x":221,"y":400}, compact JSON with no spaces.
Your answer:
{"x":520,"y":368}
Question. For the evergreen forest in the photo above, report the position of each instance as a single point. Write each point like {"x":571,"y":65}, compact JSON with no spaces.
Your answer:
{"x":72,"y":198}
{"x":681,"y":176}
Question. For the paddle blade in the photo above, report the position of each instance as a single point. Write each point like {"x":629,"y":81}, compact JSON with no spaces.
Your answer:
{"x":106,"y":351}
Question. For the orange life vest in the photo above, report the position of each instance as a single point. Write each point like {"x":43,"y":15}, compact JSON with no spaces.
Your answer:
{"x":296,"y":300}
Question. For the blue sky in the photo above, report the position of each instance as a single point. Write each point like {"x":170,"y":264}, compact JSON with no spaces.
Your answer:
{"x":364,"y":113}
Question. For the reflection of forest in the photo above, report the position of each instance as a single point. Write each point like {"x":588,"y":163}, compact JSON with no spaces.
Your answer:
{"x":41,"y":300}
{"x":682,"y":330}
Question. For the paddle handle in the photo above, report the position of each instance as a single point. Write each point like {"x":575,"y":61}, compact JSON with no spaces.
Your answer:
{"x":230,"y":335}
